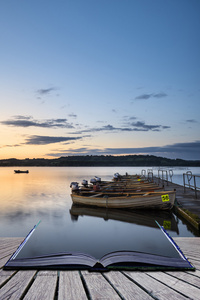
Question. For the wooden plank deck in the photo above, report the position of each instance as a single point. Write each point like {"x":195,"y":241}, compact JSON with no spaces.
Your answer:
{"x":186,"y":200}
{"x":185,"y":197}
{"x":82,"y":285}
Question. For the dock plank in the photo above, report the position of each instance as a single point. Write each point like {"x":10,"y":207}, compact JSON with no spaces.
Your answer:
{"x":17,"y":285}
{"x":5,"y":275}
{"x":154,"y":287}
{"x":43,"y":287}
{"x":196,"y":273}
{"x":71,"y":286}
{"x":6,"y":253}
{"x":8,"y":246}
{"x":187,"y":277}
{"x":125,"y":287}
{"x":177,"y":284}
{"x":98,"y":287}
{"x":3,"y":261}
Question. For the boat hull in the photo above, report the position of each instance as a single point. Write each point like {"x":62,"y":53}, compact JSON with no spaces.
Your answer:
{"x":163,"y":201}
{"x":19,"y":171}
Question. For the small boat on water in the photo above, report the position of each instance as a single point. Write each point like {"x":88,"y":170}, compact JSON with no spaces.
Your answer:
{"x":163,"y":200}
{"x":20,"y":171}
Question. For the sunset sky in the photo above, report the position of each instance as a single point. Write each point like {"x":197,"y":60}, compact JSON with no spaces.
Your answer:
{"x":100,"y":77}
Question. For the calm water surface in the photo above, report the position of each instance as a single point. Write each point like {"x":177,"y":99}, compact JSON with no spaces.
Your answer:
{"x":44,"y":194}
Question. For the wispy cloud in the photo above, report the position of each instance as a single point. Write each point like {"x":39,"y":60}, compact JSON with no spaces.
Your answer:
{"x":42,"y":92}
{"x":143,"y":97}
{"x":191,"y":121}
{"x":130,"y":126}
{"x":141,"y":126}
{"x":72,"y":115}
{"x":152,"y":95}
{"x":10,"y":146}
{"x":160,"y":95}
{"x":45,"y":140}
{"x":178,"y":150}
{"x":24,"y":121}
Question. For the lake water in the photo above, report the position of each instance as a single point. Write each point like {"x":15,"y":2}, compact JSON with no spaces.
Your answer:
{"x":44,"y":195}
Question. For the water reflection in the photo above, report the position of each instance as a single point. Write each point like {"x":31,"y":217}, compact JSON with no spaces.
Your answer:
{"x":144,"y":218}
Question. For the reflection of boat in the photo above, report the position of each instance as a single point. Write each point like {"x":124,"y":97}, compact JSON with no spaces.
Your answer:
{"x":19,"y":171}
{"x":146,"y":200}
{"x":144,"y":218}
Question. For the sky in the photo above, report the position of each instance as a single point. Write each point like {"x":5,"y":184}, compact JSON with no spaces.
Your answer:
{"x":99,"y":77}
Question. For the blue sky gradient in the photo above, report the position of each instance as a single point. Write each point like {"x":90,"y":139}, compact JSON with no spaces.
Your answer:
{"x":100,"y":77}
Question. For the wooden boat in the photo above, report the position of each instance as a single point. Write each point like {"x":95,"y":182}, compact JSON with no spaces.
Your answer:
{"x":139,"y":217}
{"x":105,"y":186}
{"x":163,"y":200}
{"x":20,"y":171}
{"x":117,"y":189}
{"x":114,"y":188}
{"x":116,"y":192}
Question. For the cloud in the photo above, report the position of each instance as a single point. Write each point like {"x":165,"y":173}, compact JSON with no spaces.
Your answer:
{"x":45,"y":140}
{"x":191,"y":121}
{"x":22,"y":117}
{"x":178,"y":150}
{"x":131,"y":126}
{"x":72,"y":115}
{"x":143,"y":97}
{"x":141,"y":126}
{"x":23,"y":121}
{"x":10,"y":146}
{"x":43,"y":92}
{"x":97,"y":129}
{"x":153,"y":95}
{"x":192,"y":147}
{"x":160,"y":95}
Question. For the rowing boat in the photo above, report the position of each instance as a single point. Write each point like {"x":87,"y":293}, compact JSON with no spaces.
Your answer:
{"x":20,"y":171}
{"x":163,"y":200}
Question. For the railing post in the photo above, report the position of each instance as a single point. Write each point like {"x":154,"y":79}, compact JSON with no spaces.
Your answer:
{"x":190,"y":186}
{"x":184,"y":181}
{"x":143,"y":173}
{"x":171,"y":174}
{"x":195,"y":187}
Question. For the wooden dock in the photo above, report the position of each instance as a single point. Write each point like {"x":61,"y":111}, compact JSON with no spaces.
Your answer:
{"x":188,"y":205}
{"x":82,"y":285}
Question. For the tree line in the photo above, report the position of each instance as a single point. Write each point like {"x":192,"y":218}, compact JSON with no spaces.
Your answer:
{"x":99,"y":160}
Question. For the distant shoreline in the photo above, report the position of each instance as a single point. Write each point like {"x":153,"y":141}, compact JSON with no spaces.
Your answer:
{"x":100,"y":161}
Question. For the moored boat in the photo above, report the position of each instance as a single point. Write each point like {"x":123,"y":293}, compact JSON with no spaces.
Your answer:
{"x":163,"y":200}
{"x":20,"y":171}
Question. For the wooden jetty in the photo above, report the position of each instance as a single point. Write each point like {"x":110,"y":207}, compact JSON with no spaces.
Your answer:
{"x":83,"y":285}
{"x":188,"y":205}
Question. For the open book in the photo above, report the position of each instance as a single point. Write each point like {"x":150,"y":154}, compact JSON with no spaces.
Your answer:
{"x":123,"y":259}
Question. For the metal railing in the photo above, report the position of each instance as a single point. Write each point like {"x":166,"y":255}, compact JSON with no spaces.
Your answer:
{"x":143,"y":173}
{"x":162,"y":175}
{"x":149,"y":175}
{"x":188,"y":176}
